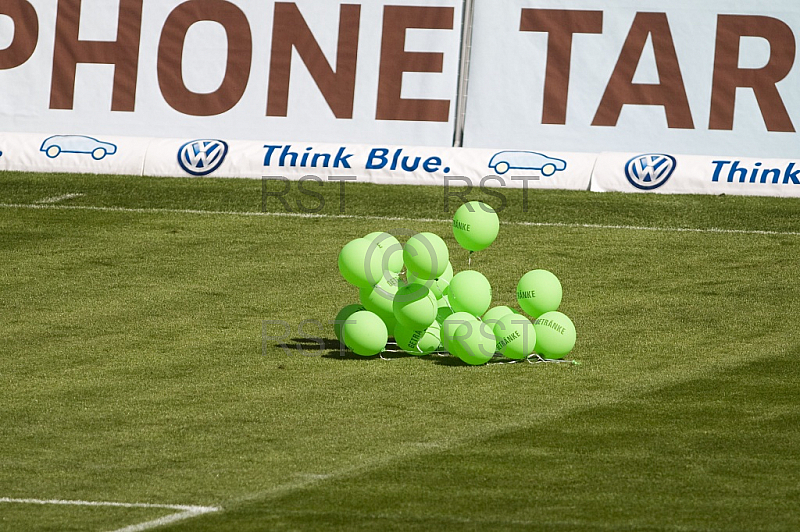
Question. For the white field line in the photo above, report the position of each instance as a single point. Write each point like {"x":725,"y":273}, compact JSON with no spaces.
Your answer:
{"x":56,"y":199}
{"x":172,"y":518}
{"x":395,"y":219}
{"x":186,"y":511}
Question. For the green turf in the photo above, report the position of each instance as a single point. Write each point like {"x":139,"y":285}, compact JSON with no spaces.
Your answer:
{"x":145,"y":359}
{"x":68,"y":518}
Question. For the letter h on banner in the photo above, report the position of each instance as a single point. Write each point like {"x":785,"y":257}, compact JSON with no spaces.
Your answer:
{"x":123,"y":53}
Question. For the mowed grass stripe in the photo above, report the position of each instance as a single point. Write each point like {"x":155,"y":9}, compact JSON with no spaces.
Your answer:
{"x":139,"y":337}
{"x":396,"y":219}
{"x":693,"y":472}
{"x":335,"y":489}
{"x":405,"y":201}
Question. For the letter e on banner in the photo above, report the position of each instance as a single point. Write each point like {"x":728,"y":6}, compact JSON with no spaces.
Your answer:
{"x":395,"y":60}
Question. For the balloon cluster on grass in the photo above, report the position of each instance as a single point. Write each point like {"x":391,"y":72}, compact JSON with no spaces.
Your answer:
{"x":410,"y":293}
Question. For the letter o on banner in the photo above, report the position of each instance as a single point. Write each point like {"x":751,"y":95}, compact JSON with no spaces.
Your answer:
{"x":170,"y":57}
{"x":26,"y":33}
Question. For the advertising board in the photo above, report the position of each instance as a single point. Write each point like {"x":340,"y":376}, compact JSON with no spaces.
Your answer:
{"x":715,"y":77}
{"x":375,"y":71}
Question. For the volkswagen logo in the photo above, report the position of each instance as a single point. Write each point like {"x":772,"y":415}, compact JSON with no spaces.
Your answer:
{"x":201,"y":157}
{"x":650,"y":170}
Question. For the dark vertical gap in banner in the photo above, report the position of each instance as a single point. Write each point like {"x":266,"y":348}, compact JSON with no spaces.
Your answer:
{"x":463,"y":72}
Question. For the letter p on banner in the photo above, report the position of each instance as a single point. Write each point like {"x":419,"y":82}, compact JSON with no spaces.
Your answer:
{"x":26,"y":33}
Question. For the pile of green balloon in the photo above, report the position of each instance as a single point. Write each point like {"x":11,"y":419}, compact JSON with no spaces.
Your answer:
{"x":411,"y":293}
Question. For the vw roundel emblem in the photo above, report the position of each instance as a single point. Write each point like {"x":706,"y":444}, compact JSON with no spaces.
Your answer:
{"x":203,"y":156}
{"x":650,"y":170}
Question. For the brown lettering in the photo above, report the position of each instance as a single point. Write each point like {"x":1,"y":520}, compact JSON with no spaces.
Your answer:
{"x":26,"y":33}
{"x":289,"y":30}
{"x":170,"y":57}
{"x":670,"y":92}
{"x":728,"y":76}
{"x":123,"y":53}
{"x":560,"y":25}
{"x":395,"y":60}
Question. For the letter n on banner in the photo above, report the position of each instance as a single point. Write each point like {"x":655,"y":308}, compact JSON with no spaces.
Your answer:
{"x":290,"y":30}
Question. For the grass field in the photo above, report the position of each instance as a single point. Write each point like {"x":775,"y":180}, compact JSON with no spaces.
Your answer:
{"x":141,"y":331}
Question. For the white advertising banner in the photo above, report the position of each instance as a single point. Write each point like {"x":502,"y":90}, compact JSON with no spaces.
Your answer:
{"x":711,"y":77}
{"x":696,"y":174}
{"x":370,"y":163}
{"x":377,"y":71}
{"x":30,"y":152}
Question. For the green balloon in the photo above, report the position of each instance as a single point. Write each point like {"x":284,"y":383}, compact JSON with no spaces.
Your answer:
{"x":342,"y":316}
{"x":360,"y":263}
{"x":414,"y":307}
{"x":473,"y":342}
{"x":426,"y":255}
{"x":422,"y":342}
{"x":539,"y":291}
{"x":451,"y":323}
{"x":392,"y":258}
{"x":390,"y":321}
{"x":495,"y":313}
{"x":443,"y":310}
{"x":365,"y":333}
{"x":475,"y":225}
{"x":516,"y":336}
{"x":470,"y":291}
{"x":438,"y":285}
{"x":555,"y":334}
{"x":379,"y":298}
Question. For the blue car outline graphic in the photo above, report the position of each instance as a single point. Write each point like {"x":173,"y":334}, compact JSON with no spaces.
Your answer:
{"x":58,"y":144}
{"x":503,"y":161}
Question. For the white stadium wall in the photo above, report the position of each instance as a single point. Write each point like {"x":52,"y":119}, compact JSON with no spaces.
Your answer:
{"x":253,"y":69}
{"x":678,"y":97}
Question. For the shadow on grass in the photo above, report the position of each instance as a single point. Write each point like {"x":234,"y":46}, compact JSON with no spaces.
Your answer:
{"x":310,"y":344}
{"x":395,"y":352}
{"x":449,"y":360}
{"x":331,"y":348}
{"x":390,"y":353}
{"x":346,"y":354}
